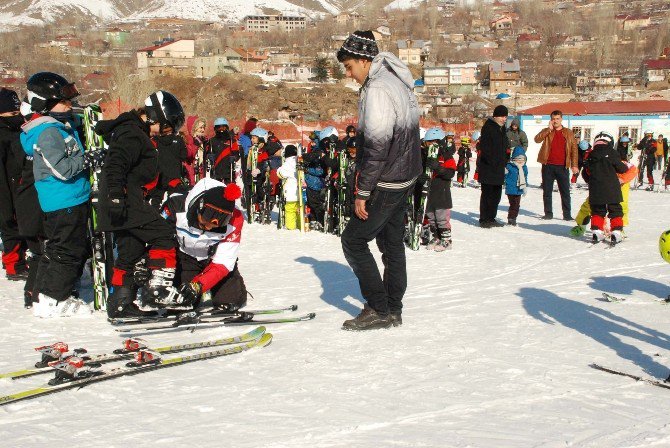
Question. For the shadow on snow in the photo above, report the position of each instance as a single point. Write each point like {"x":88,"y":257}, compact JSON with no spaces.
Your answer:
{"x":602,"y":326}
{"x":337,"y":283}
{"x":624,"y":284}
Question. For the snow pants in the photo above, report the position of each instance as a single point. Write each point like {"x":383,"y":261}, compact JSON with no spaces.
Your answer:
{"x":230,"y":290}
{"x":514,"y":205}
{"x":65,"y":251}
{"x":131,"y":244}
{"x":439,"y":218}
{"x":292,"y":215}
{"x":386,"y":225}
{"x":613,"y":211}
{"x":584,"y":215}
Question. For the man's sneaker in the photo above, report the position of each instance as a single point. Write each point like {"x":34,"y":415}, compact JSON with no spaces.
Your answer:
{"x":396,"y":319}
{"x":496,"y":223}
{"x":547,"y":216}
{"x":47,"y":307}
{"x":568,"y":218}
{"x":598,"y":236}
{"x":511,"y":222}
{"x":578,"y":231}
{"x":485,"y":224}
{"x":368,"y":319}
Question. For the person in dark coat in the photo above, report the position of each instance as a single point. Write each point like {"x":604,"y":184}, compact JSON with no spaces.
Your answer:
{"x":224,"y":152}
{"x":130,"y":171}
{"x":647,"y":159}
{"x":14,"y":246}
{"x":439,"y":204}
{"x":172,"y":154}
{"x":493,"y":145}
{"x":602,"y":165}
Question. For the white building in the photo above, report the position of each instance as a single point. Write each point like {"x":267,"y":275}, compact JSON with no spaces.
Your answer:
{"x":588,"y":119}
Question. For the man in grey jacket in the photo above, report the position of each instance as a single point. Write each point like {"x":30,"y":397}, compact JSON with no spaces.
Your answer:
{"x":388,"y":163}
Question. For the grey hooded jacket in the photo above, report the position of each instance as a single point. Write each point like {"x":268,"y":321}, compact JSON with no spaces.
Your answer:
{"x":389,"y":157}
{"x":518,"y":137}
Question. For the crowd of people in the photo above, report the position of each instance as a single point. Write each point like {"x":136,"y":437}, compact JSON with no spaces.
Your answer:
{"x":176,"y":198}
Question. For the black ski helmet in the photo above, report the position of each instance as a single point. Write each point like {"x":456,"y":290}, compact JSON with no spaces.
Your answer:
{"x":164,"y":108}
{"x":46,"y":89}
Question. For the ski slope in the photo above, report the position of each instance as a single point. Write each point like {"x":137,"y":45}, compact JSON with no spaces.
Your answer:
{"x":498,"y":334}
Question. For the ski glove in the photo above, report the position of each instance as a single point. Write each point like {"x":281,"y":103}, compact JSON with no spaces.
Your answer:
{"x":190,"y":292}
{"x":117,"y":208}
{"x":432,"y":163}
{"x":255,"y":172}
{"x":94,"y":159}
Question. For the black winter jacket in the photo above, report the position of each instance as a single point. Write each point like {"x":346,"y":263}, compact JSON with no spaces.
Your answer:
{"x":439,"y":197}
{"x":171,"y":153}
{"x":131,"y":169}
{"x":493,"y":145}
{"x":601,"y":168}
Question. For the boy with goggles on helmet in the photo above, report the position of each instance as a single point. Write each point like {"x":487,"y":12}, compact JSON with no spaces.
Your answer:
{"x":209,"y":230}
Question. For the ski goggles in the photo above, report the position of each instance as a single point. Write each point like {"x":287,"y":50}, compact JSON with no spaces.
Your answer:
{"x":215,"y":216}
{"x":68,"y":91}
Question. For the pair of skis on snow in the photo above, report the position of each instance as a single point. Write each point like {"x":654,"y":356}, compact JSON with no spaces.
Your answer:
{"x":190,"y":320}
{"x":78,"y":369}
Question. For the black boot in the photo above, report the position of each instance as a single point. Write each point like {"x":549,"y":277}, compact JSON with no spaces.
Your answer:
{"x":396,"y":318}
{"x":27,"y":299}
{"x":369,"y":319}
{"x":121,"y":303}
{"x":159,"y":291}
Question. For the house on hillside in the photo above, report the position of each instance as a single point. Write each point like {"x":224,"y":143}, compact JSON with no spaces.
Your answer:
{"x":413,"y":52}
{"x":629,"y":22}
{"x":167,"y":57}
{"x":116,"y":36}
{"x":504,"y":77}
{"x":212,"y":64}
{"x":603,"y":81}
{"x":502,"y":24}
{"x":656,"y":70}
{"x":586,"y":119}
{"x":528,"y":40}
{"x":252,"y":60}
{"x":267,"y":23}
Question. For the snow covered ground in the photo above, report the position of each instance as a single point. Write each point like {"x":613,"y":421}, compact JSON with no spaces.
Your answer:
{"x":495,"y":350}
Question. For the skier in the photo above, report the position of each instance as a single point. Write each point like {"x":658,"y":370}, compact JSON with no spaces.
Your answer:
{"x":602,"y":166}
{"x":647,"y":149}
{"x":439,"y":203}
{"x":130,"y":170}
{"x":60,"y":168}
{"x":582,"y":148}
{"x":330,"y":146}
{"x":315,"y":172}
{"x":209,"y":230}
{"x":289,"y":173}
{"x":14,"y":246}
{"x":350,"y":139}
{"x":259,"y":171}
{"x":463,"y":166}
{"x":450,"y":144}
{"x":624,"y":149}
{"x":516,"y":175}
{"x":172,"y":154}
{"x":29,"y":216}
{"x":224,"y":152}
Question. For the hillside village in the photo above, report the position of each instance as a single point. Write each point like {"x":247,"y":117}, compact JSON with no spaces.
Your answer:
{"x":466,"y":57}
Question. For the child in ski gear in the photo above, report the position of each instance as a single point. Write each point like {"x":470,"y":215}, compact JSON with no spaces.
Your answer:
{"x":463,"y":166}
{"x":172,"y":154}
{"x":583,"y":147}
{"x":209,"y":230}
{"x":289,"y":173}
{"x":14,"y":246}
{"x":259,"y":169}
{"x":315,"y":173}
{"x":602,"y":166}
{"x":130,"y":171}
{"x":60,"y":169}
{"x":29,"y":216}
{"x":438,"y":209}
{"x":224,"y":152}
{"x":331,"y":146}
{"x":516,"y":175}
{"x":647,"y":149}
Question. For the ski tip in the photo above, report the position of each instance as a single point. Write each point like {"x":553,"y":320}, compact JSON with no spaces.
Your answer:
{"x":310,"y":316}
{"x":265,"y":340}
{"x":293,"y":307}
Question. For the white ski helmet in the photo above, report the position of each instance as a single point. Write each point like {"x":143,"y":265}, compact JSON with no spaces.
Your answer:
{"x":328,"y":132}
{"x":434,"y":134}
{"x":261,"y":133}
